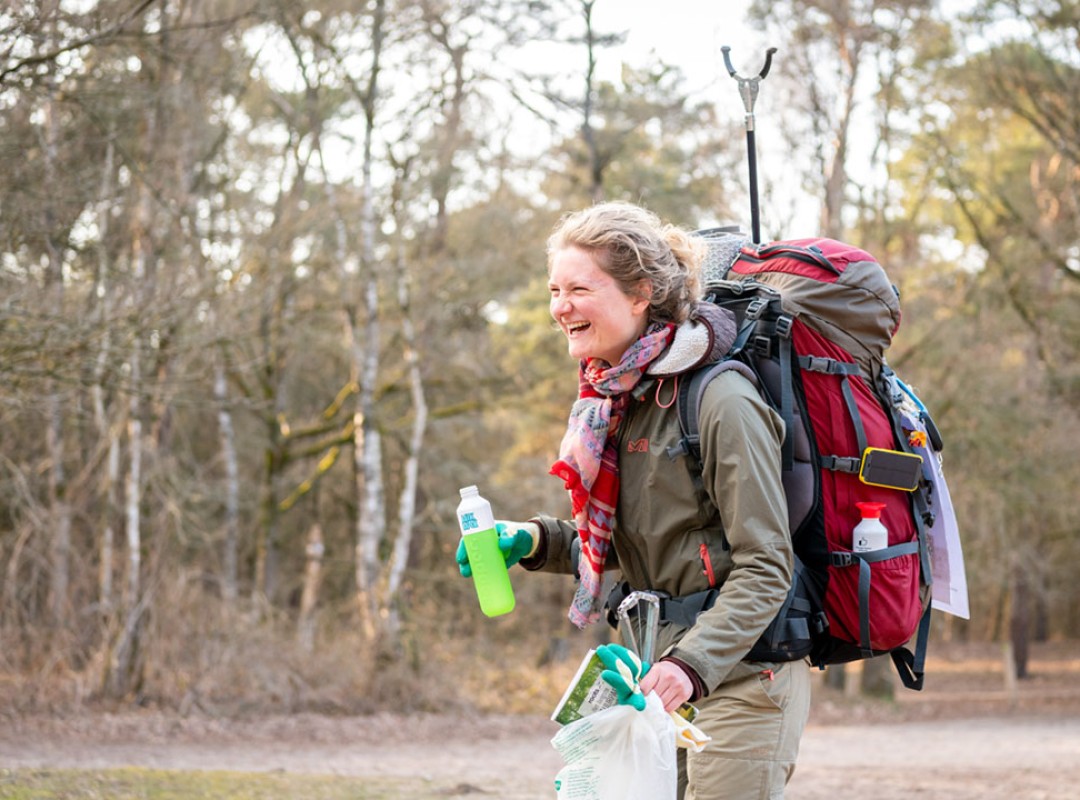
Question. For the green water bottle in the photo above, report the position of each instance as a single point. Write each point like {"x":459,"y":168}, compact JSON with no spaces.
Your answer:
{"x":489,"y":574}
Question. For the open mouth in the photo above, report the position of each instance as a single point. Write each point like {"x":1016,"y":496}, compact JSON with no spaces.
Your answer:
{"x":574,"y":328}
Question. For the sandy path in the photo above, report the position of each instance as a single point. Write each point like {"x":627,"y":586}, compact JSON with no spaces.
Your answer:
{"x":983,"y":758}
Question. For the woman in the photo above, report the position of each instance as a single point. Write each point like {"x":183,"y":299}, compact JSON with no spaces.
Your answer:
{"x":624,"y":292}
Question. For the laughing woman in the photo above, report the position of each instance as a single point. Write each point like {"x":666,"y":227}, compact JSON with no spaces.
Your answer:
{"x":624,"y":291}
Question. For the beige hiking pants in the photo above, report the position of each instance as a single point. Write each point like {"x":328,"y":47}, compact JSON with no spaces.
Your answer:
{"x":756,"y":720}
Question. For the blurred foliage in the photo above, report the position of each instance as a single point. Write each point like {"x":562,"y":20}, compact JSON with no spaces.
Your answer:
{"x":222,"y":143}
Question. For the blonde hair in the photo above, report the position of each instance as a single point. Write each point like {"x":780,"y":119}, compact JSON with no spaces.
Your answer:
{"x":632,"y":244}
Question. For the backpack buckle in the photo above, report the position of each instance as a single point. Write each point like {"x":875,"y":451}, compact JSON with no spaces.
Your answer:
{"x":681,"y":448}
{"x":841,"y":464}
{"x":784,"y":324}
{"x":763,"y":346}
{"x":755,"y":308}
{"x":841,"y":559}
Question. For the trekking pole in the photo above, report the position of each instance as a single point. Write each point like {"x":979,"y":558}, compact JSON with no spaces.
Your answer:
{"x":748,"y":90}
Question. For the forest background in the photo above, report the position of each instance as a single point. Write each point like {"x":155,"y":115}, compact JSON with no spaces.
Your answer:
{"x":272,"y":289}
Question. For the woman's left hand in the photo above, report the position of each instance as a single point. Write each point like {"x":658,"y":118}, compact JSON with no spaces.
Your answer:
{"x":670,"y":682}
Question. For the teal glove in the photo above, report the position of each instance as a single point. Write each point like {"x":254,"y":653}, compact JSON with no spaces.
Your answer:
{"x":624,"y":670}
{"x":516,"y":541}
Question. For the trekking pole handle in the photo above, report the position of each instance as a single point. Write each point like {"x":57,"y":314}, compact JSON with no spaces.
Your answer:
{"x":726,"y":49}
{"x":748,"y":87}
{"x":768,"y":63}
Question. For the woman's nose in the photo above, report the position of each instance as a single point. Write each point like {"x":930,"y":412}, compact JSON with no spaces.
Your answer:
{"x":559,"y":306}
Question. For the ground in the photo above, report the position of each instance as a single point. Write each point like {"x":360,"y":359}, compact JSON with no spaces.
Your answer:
{"x":970,"y":734}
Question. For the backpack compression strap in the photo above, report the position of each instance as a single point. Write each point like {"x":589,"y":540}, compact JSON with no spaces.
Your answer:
{"x":846,"y":370}
{"x":844,"y":558}
{"x":911,"y":667}
{"x":766,"y":327}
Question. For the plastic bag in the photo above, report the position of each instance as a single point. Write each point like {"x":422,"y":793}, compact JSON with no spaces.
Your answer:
{"x":618,"y":754}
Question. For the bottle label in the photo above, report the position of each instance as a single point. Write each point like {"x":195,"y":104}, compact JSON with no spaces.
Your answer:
{"x":475,"y":517}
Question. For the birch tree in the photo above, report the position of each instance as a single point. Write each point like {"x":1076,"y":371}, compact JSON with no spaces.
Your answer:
{"x":367,"y":438}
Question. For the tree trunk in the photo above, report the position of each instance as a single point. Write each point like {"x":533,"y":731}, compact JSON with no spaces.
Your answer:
{"x":263,"y":586}
{"x":367,"y":446}
{"x":596,"y":164}
{"x":106,"y":431}
{"x":442,"y":179}
{"x":832,"y":222}
{"x":227,"y":438}
{"x":121,"y":674}
{"x":407,"y":502}
{"x":1020,"y":622}
{"x":278,"y":297}
{"x":835,"y":677}
{"x":305,"y":624}
{"x":121,"y":671}
{"x":59,"y":511}
{"x":877,"y":678}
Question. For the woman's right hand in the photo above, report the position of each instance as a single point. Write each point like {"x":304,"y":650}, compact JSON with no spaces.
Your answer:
{"x":670,"y":682}
{"x":517,"y":540}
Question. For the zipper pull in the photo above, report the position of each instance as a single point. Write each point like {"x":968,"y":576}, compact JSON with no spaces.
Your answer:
{"x":706,"y":563}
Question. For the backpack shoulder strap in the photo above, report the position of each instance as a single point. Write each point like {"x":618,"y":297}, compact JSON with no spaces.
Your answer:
{"x":691,"y":389}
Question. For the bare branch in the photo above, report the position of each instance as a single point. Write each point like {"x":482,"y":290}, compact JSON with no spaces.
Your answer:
{"x":52,"y":55}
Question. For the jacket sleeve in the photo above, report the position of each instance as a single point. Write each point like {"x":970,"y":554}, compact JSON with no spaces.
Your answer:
{"x":559,"y":550}
{"x":741,"y":438}
{"x":554,"y":553}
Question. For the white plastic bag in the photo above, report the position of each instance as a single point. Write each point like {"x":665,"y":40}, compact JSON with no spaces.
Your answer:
{"x":619,"y":753}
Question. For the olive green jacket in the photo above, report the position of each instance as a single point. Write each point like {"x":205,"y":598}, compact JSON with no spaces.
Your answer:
{"x":680,"y":537}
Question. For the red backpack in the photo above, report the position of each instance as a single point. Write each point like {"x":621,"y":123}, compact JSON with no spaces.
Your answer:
{"x":815,"y":319}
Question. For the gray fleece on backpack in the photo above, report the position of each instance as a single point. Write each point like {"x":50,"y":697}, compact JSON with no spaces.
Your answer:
{"x":702,"y":339}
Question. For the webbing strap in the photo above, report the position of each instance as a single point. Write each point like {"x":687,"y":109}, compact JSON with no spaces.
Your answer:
{"x":911,"y":667}
{"x":787,"y":406}
{"x":841,"y":464}
{"x":684,"y":611}
{"x":853,"y":411}
{"x":743,"y":336}
{"x":828,"y":366}
{"x":923,"y":515}
{"x":846,"y":370}
{"x":786,"y":627}
{"x":844,"y":559}
{"x":924,"y":520}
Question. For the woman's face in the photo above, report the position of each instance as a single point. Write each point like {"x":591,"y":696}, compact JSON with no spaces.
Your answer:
{"x":597,"y":318}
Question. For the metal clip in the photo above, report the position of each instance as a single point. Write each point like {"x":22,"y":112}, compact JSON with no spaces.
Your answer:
{"x":641,"y":633}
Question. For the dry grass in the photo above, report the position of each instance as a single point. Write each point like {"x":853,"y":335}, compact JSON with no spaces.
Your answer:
{"x":203,"y":660}
{"x":146,"y":784}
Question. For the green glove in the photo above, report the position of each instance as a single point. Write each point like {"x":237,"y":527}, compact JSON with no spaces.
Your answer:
{"x":516,"y":541}
{"x":624,"y":670}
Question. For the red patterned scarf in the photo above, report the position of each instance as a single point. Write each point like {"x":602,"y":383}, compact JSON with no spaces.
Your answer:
{"x":588,"y":462}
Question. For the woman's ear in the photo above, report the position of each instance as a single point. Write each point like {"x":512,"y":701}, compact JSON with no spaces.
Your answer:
{"x":642,"y":296}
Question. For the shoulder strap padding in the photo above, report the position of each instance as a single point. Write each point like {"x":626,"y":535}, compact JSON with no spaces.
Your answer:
{"x":689,"y":402}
